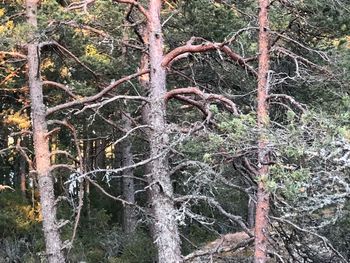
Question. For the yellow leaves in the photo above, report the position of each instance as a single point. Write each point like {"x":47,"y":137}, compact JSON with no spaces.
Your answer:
{"x":48,"y":64}
{"x":64,"y":72}
{"x":341,"y":42}
{"x":8,"y":26}
{"x":92,"y":52}
{"x":31,"y":213}
{"x":235,"y":10}
{"x":2,"y":12}
{"x":19,"y":119}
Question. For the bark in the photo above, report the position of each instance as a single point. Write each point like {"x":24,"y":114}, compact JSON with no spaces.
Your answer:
{"x":251,"y":214}
{"x":129,"y":216}
{"x":164,"y":230}
{"x":262,"y":207}
{"x":22,"y":173}
{"x":41,"y":145}
{"x":87,"y":146}
{"x":100,"y":154}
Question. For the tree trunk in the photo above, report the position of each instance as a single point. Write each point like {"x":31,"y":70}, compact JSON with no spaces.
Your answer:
{"x":22,"y":174}
{"x":41,"y":145}
{"x":262,"y":207}
{"x":251,"y":214}
{"x":100,"y":154}
{"x":166,"y":234}
{"x":129,"y":216}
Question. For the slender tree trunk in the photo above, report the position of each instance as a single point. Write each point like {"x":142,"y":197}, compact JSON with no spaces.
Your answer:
{"x":22,"y":174}
{"x":262,"y":207}
{"x":166,"y":234}
{"x":87,"y":167}
{"x":129,"y":216}
{"x":251,"y":213}
{"x":41,"y":145}
{"x":100,"y":154}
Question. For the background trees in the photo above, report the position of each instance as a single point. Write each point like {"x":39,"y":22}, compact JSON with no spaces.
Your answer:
{"x":153,"y":120}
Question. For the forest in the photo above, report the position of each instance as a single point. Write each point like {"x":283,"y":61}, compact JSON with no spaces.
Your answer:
{"x":174,"y":131}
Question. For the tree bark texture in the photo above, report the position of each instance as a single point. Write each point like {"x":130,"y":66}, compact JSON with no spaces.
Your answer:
{"x":262,"y":207}
{"x":129,"y":216}
{"x":41,"y":145}
{"x":165,"y":230}
{"x":100,"y":160}
{"x":22,"y":173}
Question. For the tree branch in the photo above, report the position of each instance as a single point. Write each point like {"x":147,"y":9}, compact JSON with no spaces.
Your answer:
{"x":206,"y":97}
{"x":207,"y":46}
{"x":60,"y":86}
{"x":96,"y":96}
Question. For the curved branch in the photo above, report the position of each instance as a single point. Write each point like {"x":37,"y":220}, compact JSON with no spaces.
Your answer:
{"x":216,"y":204}
{"x":298,"y":105}
{"x":60,"y":86}
{"x":97,"y":96}
{"x":66,"y":51}
{"x":207,"y":46}
{"x":206,"y":97}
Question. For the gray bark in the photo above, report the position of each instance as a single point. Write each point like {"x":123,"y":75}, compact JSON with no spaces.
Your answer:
{"x":165,"y":230}
{"x":100,"y":154}
{"x":41,"y":145}
{"x":129,"y":216}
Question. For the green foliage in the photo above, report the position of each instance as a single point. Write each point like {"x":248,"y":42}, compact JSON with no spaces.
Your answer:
{"x":288,"y":182}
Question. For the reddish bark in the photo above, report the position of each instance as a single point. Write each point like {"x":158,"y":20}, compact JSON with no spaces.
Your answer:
{"x":22,"y":172}
{"x":262,"y":207}
{"x":41,"y":145}
{"x":208,"y":46}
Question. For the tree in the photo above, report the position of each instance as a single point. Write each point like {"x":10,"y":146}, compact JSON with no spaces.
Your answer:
{"x":41,"y":146}
{"x":262,"y":202}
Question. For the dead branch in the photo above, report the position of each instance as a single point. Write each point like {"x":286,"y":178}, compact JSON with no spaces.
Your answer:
{"x":79,"y":5}
{"x":206,"y":97}
{"x":4,"y":187}
{"x":326,"y":242}
{"x":227,"y":243}
{"x":74,"y":24}
{"x":62,"y":166}
{"x":63,"y":87}
{"x":97,"y":96}
{"x":103,"y":103}
{"x":298,"y":105}
{"x":216,"y":204}
{"x":24,"y":154}
{"x":127,"y":134}
{"x":69,"y":53}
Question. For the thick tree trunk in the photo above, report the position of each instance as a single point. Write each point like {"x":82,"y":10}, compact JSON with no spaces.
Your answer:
{"x":41,"y":145}
{"x":165,"y":230}
{"x":129,"y":216}
{"x":262,"y":207}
